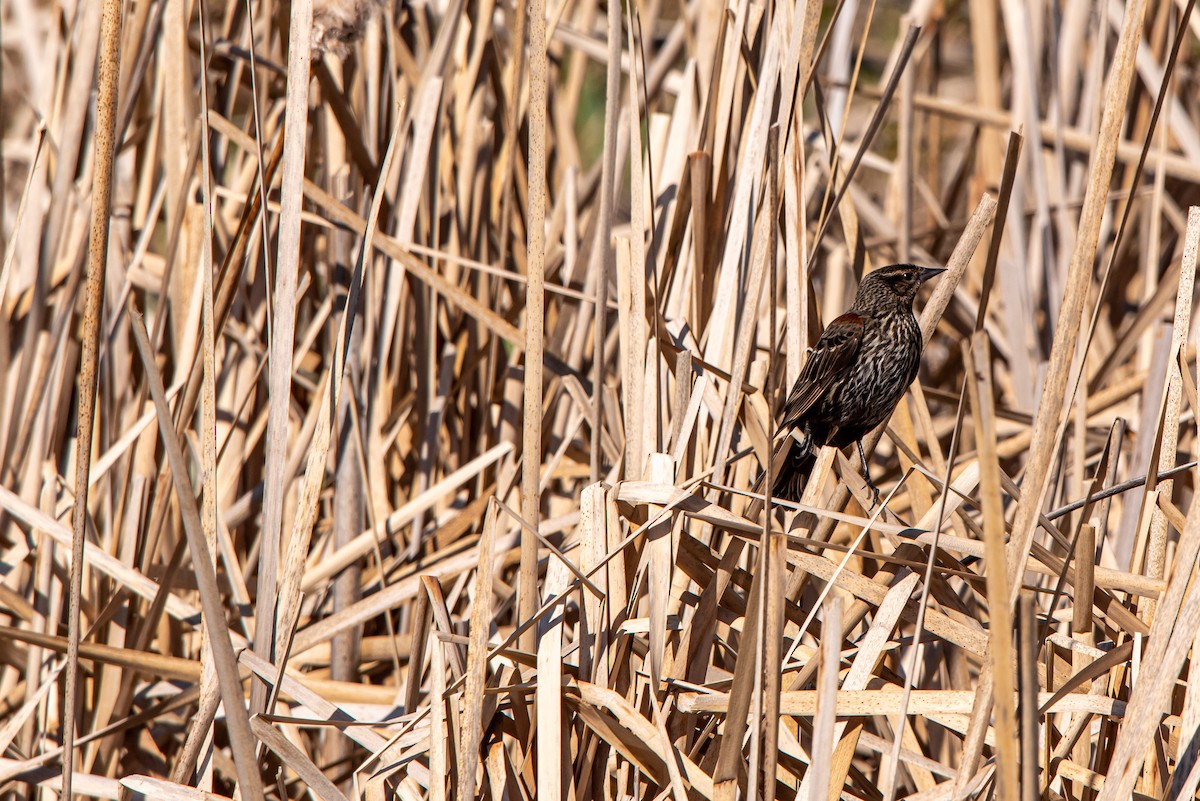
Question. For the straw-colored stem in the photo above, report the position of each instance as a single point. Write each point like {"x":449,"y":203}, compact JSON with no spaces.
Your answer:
{"x":108,"y":74}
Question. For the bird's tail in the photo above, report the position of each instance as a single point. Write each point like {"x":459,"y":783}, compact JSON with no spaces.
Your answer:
{"x":791,"y":464}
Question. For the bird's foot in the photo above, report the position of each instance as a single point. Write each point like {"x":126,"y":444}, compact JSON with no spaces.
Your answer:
{"x":874,"y":495}
{"x":866,"y":475}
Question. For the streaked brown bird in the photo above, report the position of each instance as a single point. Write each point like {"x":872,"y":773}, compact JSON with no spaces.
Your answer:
{"x":855,"y":375}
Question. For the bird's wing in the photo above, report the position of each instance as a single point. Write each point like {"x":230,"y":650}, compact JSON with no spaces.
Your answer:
{"x":834,"y":351}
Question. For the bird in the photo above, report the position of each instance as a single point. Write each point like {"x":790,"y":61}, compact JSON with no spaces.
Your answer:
{"x":853,"y":378}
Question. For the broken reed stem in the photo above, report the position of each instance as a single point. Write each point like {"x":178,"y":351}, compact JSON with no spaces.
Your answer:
{"x":1000,"y":615}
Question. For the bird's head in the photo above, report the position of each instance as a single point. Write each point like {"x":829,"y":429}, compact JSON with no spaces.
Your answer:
{"x":896,"y":282}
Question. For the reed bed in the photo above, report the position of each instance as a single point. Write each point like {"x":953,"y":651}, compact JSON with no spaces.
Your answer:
{"x":383,"y":386}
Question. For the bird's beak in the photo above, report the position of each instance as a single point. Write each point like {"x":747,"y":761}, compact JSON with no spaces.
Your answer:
{"x":930,"y":272}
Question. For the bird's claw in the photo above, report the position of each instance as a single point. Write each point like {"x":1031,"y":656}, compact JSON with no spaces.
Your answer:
{"x":874,"y":495}
{"x":866,"y":476}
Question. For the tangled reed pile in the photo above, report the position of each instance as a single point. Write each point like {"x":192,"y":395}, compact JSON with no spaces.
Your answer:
{"x":373,"y":503}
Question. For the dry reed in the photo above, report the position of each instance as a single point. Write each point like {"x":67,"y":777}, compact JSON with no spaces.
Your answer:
{"x":425,"y":356}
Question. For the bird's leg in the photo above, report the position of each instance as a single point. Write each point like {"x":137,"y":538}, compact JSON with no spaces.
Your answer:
{"x":866,"y":474}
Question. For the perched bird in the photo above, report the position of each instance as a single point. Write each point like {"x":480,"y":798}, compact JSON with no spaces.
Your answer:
{"x":855,"y":375}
